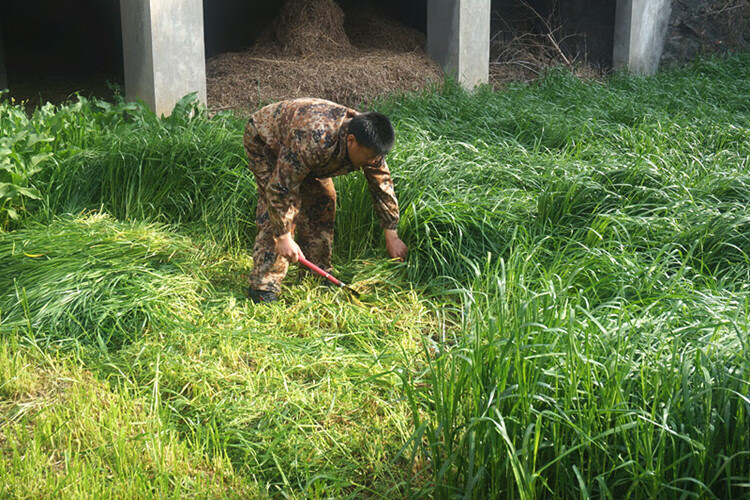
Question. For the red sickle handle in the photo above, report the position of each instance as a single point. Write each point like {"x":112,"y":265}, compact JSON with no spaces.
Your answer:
{"x":321,"y":272}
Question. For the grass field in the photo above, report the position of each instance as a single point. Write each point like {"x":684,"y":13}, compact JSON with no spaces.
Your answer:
{"x":572,"y":320}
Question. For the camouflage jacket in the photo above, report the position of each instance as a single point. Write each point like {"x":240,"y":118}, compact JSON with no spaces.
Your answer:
{"x":308,"y":137}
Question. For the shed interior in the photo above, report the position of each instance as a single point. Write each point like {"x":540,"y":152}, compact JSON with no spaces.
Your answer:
{"x":55,"y":49}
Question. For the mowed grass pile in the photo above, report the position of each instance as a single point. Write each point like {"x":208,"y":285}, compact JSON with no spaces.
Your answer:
{"x":572,"y":319}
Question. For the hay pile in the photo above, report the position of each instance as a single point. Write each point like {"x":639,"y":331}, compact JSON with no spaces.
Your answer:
{"x":314,"y":49}
{"x":366,"y":28}
{"x":304,"y":28}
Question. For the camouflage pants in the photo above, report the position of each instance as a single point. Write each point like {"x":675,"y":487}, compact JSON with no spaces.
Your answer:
{"x":313,"y":224}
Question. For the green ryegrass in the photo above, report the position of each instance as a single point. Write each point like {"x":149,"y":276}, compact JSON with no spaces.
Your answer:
{"x":572,"y":320}
{"x":603,"y":344}
{"x":67,"y":434}
{"x":121,"y":159}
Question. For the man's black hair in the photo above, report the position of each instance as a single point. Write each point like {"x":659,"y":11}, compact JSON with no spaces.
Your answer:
{"x":373,"y":130}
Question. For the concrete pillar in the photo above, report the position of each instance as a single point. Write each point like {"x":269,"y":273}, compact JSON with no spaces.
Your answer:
{"x":458,"y":38}
{"x":163,"y":51}
{"x":640,"y":30}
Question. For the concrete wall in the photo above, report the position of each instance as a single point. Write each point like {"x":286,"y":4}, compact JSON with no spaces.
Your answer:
{"x":640,"y":30}
{"x":163,"y":49}
{"x":458,"y":38}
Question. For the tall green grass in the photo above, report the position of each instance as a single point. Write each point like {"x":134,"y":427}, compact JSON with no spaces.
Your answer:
{"x":182,"y":170}
{"x":572,"y":320}
{"x":598,"y":238}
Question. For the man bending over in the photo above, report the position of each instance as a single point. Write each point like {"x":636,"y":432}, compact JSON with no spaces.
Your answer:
{"x":294,"y":148}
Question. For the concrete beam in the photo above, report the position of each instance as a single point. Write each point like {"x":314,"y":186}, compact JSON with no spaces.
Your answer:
{"x":458,"y":38}
{"x":640,"y":30}
{"x":163,"y":51}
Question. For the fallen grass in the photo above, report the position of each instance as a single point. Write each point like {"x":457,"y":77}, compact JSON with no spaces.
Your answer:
{"x":94,"y":279}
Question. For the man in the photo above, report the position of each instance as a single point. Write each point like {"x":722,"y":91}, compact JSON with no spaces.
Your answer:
{"x":294,"y":148}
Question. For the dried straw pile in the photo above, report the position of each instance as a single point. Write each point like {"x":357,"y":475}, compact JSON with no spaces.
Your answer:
{"x":314,"y":49}
{"x":368,"y":29}
{"x":304,"y":28}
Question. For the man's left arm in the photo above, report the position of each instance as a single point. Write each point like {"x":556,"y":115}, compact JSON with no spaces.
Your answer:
{"x":384,"y":200}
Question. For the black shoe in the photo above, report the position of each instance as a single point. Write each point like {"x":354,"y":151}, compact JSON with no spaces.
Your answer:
{"x":261,"y":296}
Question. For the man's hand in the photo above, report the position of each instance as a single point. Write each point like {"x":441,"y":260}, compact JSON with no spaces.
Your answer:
{"x":288,"y":248}
{"x":396,"y":248}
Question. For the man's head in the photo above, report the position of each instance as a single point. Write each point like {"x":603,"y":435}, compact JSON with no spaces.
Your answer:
{"x":370,"y":136}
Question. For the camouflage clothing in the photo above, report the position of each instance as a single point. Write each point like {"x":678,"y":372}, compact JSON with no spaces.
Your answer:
{"x":294,"y":148}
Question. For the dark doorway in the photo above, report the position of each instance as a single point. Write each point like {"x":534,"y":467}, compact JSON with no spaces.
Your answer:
{"x":583,"y":29}
{"x":55,"y":49}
